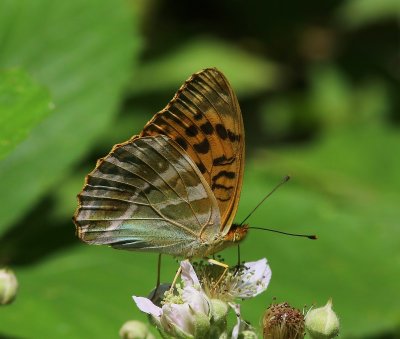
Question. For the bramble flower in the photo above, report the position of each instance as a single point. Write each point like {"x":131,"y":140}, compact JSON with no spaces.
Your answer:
{"x":200,"y":308}
{"x":189,"y":319}
{"x":186,"y":315}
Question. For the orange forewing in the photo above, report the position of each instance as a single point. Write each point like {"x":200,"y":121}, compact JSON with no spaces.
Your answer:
{"x":204,"y":118}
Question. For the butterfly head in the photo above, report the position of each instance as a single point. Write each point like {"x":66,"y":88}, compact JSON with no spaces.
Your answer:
{"x":237,"y":233}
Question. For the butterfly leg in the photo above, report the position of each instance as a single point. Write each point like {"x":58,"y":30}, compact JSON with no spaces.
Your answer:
{"x":178,"y":273}
{"x":218,"y":263}
{"x":158,"y":277}
{"x":238,"y":256}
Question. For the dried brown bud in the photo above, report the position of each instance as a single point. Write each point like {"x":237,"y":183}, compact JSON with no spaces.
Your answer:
{"x":282,"y":321}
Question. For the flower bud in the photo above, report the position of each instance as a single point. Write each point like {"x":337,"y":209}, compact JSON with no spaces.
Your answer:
{"x":322,"y":322}
{"x":219,"y":312}
{"x":134,"y":329}
{"x":282,"y":321}
{"x":8,"y":286}
{"x":248,"y":334}
{"x":201,"y":325}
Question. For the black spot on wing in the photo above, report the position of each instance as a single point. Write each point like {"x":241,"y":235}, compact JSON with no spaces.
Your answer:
{"x":218,"y":186}
{"x":198,"y":116}
{"x":223,"y":160}
{"x":207,"y":128}
{"x":222,"y":199}
{"x":226,"y":174}
{"x":201,"y":167}
{"x":232,"y":136}
{"x":203,"y":147}
{"x":191,"y":131}
{"x":182,"y":142}
{"x":221,"y":131}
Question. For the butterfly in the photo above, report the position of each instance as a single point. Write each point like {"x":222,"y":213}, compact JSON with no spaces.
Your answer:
{"x":174,"y":188}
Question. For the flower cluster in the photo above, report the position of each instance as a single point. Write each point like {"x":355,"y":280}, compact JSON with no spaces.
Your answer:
{"x":200,"y":307}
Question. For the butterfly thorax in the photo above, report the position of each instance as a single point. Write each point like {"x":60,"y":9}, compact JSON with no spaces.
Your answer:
{"x":236,"y":234}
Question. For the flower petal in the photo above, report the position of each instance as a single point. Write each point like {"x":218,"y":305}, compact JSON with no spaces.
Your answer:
{"x":236,"y":328}
{"x":179,"y":317}
{"x":197,"y":300}
{"x":188,"y":274}
{"x":146,"y":306}
{"x":253,"y":279}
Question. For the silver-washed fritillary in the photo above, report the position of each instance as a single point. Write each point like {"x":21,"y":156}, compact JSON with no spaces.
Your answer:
{"x":175,"y":187}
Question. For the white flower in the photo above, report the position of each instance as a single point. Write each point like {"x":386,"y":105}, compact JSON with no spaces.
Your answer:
{"x":251,"y":280}
{"x":188,"y":316}
{"x":200,"y":309}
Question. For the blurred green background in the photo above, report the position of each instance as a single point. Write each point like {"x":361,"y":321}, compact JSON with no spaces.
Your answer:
{"x":318,"y":83}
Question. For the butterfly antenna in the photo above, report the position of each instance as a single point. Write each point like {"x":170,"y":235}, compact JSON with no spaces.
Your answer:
{"x":285,"y":179}
{"x":313,"y":237}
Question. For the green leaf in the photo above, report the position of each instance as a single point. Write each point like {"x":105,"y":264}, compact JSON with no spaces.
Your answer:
{"x":331,"y":103}
{"x":84,"y":293}
{"x":23,"y":104}
{"x":247,"y":72}
{"x":338,"y":103}
{"x":356,"y":13}
{"x":83,"y":53}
